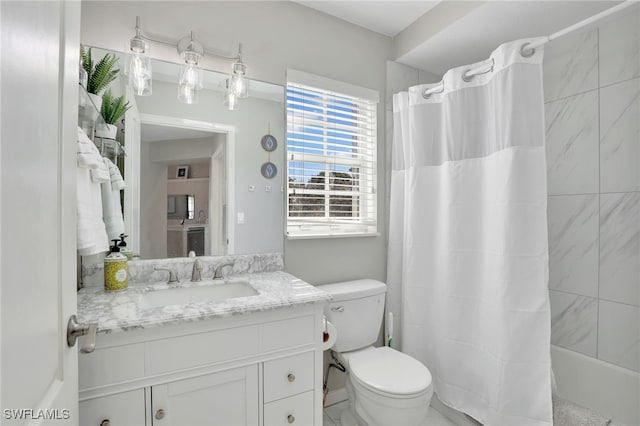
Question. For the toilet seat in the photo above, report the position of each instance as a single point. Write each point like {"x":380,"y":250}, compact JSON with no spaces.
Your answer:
{"x":390,"y":373}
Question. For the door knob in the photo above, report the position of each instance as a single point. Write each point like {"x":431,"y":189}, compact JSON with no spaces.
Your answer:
{"x":291,"y":377}
{"x":76,"y":329}
{"x":290,"y":418}
{"x":160,"y":414}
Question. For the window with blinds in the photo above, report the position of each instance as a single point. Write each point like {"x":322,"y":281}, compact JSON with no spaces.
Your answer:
{"x":331,"y":163}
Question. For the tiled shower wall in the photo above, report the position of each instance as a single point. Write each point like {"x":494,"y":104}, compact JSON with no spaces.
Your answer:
{"x":592,"y":108}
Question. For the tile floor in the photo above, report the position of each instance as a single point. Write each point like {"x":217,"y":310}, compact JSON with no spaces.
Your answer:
{"x":332,"y":416}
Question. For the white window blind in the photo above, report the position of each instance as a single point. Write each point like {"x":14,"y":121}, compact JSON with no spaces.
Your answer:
{"x":331,"y":161}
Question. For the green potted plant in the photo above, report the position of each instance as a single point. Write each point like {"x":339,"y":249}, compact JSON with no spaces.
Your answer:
{"x":112,"y":109}
{"x":99,"y":74}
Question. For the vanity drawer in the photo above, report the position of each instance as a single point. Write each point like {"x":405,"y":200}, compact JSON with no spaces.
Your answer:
{"x":295,"y":410}
{"x":110,"y":365}
{"x":122,"y":409}
{"x":178,"y":353}
{"x":287,"y":333}
{"x":288,"y":376}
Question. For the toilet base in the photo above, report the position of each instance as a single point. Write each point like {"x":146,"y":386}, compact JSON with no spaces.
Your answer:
{"x":347,"y":419}
{"x":368,"y":409}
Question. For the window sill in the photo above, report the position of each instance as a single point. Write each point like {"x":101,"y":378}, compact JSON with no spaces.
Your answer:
{"x":319,"y":236}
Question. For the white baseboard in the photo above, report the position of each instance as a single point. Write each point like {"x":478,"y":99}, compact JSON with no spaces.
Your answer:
{"x":336,"y":396}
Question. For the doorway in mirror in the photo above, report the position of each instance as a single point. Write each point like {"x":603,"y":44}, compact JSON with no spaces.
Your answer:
{"x":167,"y":228}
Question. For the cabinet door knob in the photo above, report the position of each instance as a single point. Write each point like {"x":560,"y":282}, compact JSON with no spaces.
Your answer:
{"x":291,"y":377}
{"x":160,"y":414}
{"x":290,"y":418}
{"x":105,"y":422}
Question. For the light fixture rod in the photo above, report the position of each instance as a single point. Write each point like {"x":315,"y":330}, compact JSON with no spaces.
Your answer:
{"x":206,"y":52}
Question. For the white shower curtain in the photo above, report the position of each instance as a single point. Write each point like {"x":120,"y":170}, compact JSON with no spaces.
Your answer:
{"x":468,"y":238}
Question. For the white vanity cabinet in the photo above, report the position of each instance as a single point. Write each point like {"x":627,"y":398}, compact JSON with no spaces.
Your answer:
{"x":262,"y":368}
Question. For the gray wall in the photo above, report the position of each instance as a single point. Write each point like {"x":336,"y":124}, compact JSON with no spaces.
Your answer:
{"x":592,"y":95}
{"x":153,"y":205}
{"x":275,"y":36}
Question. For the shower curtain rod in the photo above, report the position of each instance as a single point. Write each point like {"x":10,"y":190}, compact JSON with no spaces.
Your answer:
{"x":528,"y":49}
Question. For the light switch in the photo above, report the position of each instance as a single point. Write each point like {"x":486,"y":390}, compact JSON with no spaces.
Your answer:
{"x":240,"y":218}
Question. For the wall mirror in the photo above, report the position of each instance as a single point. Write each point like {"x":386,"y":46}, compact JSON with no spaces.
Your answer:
{"x":209,"y":152}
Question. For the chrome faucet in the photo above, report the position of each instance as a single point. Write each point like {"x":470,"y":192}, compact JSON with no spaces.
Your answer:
{"x":217,"y":275}
{"x":196,"y":273}
{"x":173,"y":276}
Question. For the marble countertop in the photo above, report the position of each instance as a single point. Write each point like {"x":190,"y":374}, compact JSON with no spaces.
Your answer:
{"x":121,"y":311}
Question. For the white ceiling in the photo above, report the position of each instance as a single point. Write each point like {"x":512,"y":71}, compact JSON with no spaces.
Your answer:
{"x":473,"y":37}
{"x":469,"y":39}
{"x":384,"y":17}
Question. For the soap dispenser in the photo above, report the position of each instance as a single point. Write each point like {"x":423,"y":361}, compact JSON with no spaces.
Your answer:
{"x":123,"y":247}
{"x":116,"y":269}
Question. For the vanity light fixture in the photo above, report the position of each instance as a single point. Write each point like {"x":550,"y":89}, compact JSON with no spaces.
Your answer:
{"x":138,"y":64}
{"x":239,"y":84}
{"x":138,"y":68}
{"x":190,"y":82}
{"x":231,"y":98}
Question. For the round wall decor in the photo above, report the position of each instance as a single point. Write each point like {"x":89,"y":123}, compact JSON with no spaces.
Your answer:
{"x":268,"y":170}
{"x":269,"y":143}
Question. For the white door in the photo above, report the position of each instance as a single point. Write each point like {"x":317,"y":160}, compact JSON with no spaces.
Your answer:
{"x":39,"y":373}
{"x":228,"y":398}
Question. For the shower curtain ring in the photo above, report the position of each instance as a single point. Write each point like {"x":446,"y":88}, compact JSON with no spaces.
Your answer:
{"x":526,"y":52}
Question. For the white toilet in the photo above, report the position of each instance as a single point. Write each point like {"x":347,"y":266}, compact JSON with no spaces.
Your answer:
{"x":384,"y":386}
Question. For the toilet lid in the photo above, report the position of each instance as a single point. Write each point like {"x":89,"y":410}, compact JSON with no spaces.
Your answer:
{"x":389,"y":371}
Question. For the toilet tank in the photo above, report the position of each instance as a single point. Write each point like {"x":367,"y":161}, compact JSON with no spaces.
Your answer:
{"x":356,"y":311}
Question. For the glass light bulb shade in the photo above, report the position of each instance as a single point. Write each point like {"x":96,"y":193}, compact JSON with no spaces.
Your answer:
{"x":138,"y":69}
{"x":239,"y":86}
{"x":191,"y":76}
{"x":231,"y":101}
{"x":188,"y":94}
{"x":141,"y":84}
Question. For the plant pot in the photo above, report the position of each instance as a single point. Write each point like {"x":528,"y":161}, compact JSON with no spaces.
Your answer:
{"x":108,"y":131}
{"x":97,"y":100}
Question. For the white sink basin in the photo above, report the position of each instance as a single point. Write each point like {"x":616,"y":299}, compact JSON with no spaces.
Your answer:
{"x":203,"y":294}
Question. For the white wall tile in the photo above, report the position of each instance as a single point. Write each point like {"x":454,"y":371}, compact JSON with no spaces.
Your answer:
{"x":571,"y":65}
{"x":620,"y":137}
{"x":572,"y":144}
{"x":574,"y":322}
{"x":573,"y":244}
{"x":620,"y":247}
{"x":619,"y":334}
{"x":620,"y":49}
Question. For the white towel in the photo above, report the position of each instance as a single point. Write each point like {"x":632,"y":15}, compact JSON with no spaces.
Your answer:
{"x":89,"y":157}
{"x":111,"y":207}
{"x":117,"y":183}
{"x":92,"y":236}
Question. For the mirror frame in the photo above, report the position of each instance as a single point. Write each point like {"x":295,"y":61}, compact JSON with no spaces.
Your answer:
{"x":132,"y":194}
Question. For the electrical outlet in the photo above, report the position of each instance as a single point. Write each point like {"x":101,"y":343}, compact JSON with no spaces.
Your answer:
{"x":240,"y":218}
